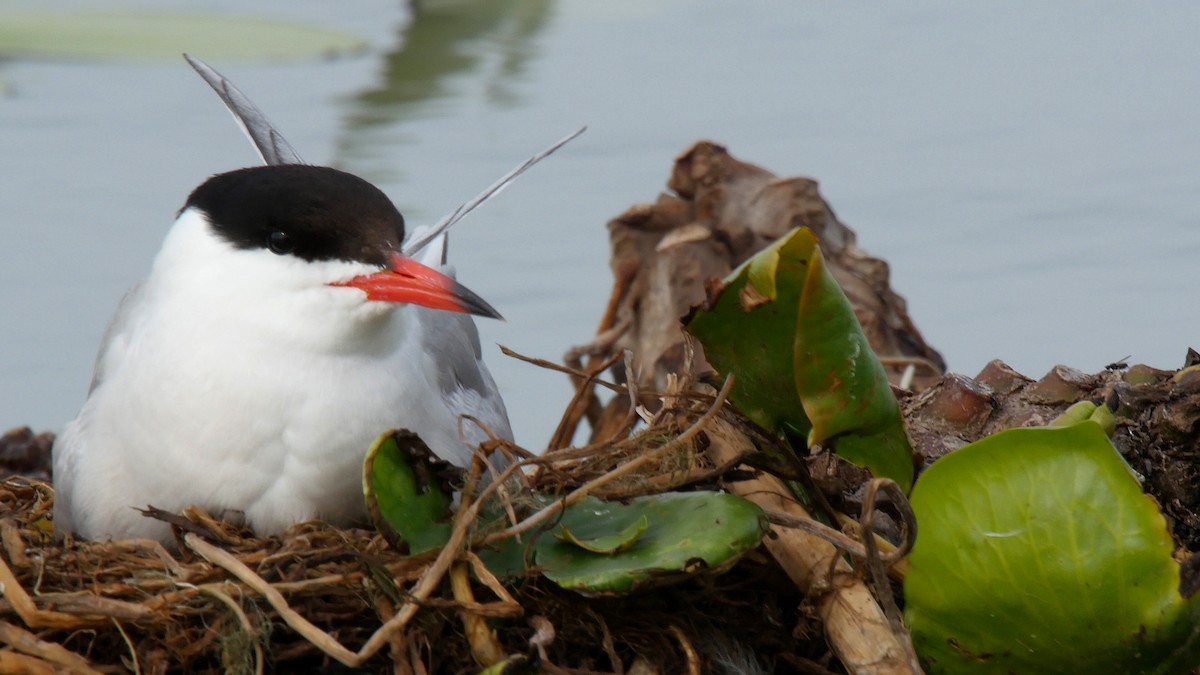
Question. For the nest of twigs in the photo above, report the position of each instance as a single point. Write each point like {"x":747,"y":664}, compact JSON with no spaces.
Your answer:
{"x":224,"y":600}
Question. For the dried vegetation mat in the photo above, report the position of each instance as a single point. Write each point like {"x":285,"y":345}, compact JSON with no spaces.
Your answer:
{"x":223,"y":600}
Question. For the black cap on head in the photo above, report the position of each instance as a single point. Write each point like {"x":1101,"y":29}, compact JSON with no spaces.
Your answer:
{"x":311,"y":212}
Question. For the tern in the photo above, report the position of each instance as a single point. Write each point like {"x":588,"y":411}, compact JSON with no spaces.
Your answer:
{"x":282,"y":327}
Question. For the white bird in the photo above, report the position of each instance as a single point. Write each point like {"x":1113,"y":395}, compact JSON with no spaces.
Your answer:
{"x":280,"y":330}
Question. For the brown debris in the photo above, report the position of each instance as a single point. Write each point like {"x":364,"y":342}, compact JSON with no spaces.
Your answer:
{"x":26,"y":453}
{"x":1060,"y":385}
{"x":721,"y":211}
{"x":666,"y":259}
{"x":1000,"y":378}
{"x":856,"y":627}
{"x":955,"y":403}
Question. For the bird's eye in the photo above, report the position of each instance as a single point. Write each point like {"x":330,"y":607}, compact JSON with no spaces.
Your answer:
{"x":280,"y":242}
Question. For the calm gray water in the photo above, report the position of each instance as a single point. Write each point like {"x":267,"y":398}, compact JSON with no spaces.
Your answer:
{"x":1031,"y":172}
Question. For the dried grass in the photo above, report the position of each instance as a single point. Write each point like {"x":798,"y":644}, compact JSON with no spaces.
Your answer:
{"x":224,"y":600}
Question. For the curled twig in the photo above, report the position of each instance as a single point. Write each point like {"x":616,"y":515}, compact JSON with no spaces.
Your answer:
{"x":863,"y":548}
{"x":317,"y":637}
{"x":567,"y":370}
{"x":875,"y":562}
{"x":691,"y":657}
{"x":579,"y":402}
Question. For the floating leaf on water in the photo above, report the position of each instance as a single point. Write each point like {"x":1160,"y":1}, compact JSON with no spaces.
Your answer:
{"x":150,"y":34}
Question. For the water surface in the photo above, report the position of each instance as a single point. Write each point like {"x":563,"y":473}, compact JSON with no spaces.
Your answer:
{"x":1030,"y":171}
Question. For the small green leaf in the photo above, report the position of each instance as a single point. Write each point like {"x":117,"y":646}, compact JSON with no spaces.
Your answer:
{"x":673,"y":536}
{"x":1039,"y":553}
{"x":1073,"y":415}
{"x":606,"y":543}
{"x":784,"y":327}
{"x":407,"y":499}
{"x":151,"y":34}
{"x":1104,"y":416}
{"x":513,"y":665}
{"x":751,"y":330}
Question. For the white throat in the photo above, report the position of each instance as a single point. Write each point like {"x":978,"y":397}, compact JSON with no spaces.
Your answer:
{"x":200,"y":279}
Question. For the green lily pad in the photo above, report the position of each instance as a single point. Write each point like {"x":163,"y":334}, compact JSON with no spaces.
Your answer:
{"x":674,"y":535}
{"x":596,"y":547}
{"x":148,"y":34}
{"x":407,"y":498}
{"x":784,"y":327}
{"x":1039,"y":553}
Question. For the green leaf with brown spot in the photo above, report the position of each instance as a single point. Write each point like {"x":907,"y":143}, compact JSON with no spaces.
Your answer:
{"x":407,"y":498}
{"x":802,"y":364}
{"x":612,"y":548}
{"x":605,"y":543}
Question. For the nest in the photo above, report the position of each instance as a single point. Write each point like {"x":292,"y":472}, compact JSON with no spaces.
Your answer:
{"x":224,"y":600}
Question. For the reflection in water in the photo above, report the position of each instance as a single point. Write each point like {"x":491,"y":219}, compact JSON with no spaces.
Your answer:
{"x":489,"y":40}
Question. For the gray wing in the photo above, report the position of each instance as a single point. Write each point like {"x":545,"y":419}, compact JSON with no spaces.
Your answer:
{"x":272,"y":146}
{"x":452,"y":339}
{"x":115,"y":343}
{"x":466,"y":386}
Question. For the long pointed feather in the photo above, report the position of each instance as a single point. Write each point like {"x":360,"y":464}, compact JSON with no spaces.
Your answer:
{"x":417,"y":243}
{"x":274,"y":149}
{"x":271,"y":145}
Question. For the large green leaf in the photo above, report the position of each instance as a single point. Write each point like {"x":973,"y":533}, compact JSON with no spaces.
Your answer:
{"x":162,"y":34}
{"x":784,"y":327}
{"x":608,"y":548}
{"x":1039,"y":553}
{"x":407,"y":499}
